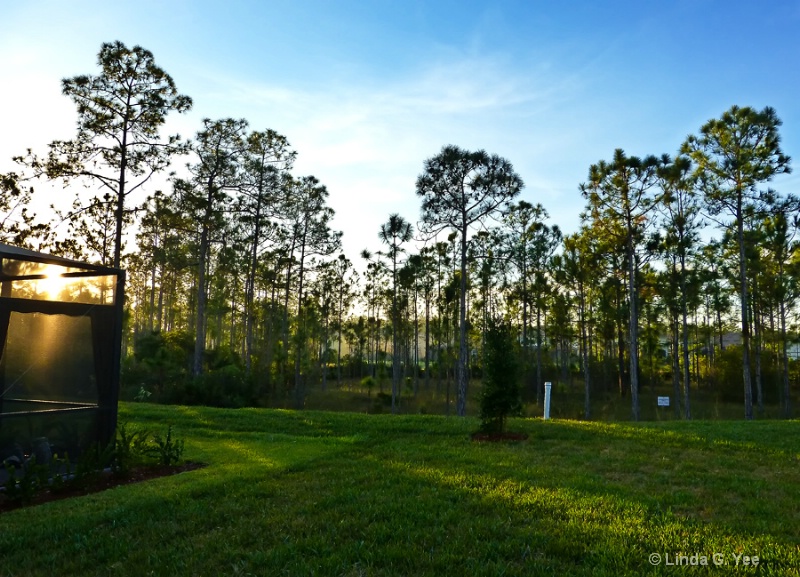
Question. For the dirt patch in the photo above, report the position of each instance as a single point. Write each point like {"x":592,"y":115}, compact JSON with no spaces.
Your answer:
{"x":100,"y":482}
{"x":499,"y":437}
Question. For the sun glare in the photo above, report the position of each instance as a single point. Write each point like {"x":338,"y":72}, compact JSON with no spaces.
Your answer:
{"x":53,"y":282}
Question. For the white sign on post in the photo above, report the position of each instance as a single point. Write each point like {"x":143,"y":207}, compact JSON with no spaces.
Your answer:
{"x":663,"y":401}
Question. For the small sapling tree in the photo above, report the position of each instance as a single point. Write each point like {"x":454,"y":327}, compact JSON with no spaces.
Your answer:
{"x":501,"y":392}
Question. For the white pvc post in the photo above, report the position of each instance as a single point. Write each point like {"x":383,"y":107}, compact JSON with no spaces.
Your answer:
{"x":547,"y":387}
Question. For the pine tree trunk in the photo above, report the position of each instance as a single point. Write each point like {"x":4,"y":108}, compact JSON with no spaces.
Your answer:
{"x":676,"y":390}
{"x":685,"y":338}
{"x":634,"y":331}
{"x":461,"y":368}
{"x":284,"y":360}
{"x":427,"y":344}
{"x":120,"y":209}
{"x":585,"y":348}
{"x":200,"y":324}
{"x":787,"y":404}
{"x":416,"y":346}
{"x":300,"y":337}
{"x":151,"y":312}
{"x":395,"y":343}
{"x":341,"y":332}
{"x":539,"y":384}
{"x":757,"y":345}
{"x":748,"y":388}
{"x":160,"y":315}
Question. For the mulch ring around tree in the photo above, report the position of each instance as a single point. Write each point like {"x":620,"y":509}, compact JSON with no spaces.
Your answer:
{"x":97,"y":483}
{"x":499,"y":437}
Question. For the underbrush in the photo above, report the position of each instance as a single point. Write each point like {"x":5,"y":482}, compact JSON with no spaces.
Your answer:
{"x":134,"y":448}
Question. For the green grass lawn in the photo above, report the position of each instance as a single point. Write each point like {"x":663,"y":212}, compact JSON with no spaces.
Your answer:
{"x":316,"y":493}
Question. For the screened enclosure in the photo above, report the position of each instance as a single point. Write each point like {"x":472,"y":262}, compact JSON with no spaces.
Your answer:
{"x":60,"y":332}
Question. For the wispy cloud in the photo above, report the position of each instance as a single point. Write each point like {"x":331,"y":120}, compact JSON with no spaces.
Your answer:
{"x":367,"y":138}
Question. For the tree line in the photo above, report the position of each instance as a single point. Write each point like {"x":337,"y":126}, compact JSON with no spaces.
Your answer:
{"x":238,"y":291}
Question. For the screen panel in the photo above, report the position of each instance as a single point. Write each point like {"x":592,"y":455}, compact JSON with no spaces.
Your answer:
{"x":49,"y":358}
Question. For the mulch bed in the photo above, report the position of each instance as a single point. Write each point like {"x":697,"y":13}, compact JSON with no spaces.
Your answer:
{"x":101,"y":482}
{"x":499,"y":437}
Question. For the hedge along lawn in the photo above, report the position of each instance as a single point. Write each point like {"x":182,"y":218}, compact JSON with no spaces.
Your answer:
{"x":314,"y":493}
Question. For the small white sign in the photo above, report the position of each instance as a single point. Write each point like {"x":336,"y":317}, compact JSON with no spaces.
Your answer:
{"x":663,"y":401}
{"x":547,"y":387}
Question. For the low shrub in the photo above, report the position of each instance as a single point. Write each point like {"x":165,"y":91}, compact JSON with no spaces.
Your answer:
{"x":227,"y":387}
{"x":369,"y":383}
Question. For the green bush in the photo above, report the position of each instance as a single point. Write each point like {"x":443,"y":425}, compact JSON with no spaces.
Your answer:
{"x":369,"y":383}
{"x":227,"y":387}
{"x":91,"y":463}
{"x":728,"y":382}
{"x":166,"y":450}
{"x":21,"y":488}
{"x":160,"y":363}
{"x":131,"y":449}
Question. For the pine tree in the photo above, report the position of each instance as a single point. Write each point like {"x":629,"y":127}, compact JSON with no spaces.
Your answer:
{"x":501,"y":392}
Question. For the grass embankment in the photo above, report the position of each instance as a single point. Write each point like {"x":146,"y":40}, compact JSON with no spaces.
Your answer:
{"x":312,"y":493}
{"x":567,"y":402}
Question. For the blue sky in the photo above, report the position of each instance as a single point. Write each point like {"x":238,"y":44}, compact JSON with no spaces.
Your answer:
{"x":366,"y":91}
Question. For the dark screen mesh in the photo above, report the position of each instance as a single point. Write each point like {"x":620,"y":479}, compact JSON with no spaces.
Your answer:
{"x":67,"y":433}
{"x":49,"y":357}
{"x":47,"y":371}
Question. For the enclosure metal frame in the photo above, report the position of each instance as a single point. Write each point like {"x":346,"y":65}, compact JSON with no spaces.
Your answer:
{"x":108,"y":391}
